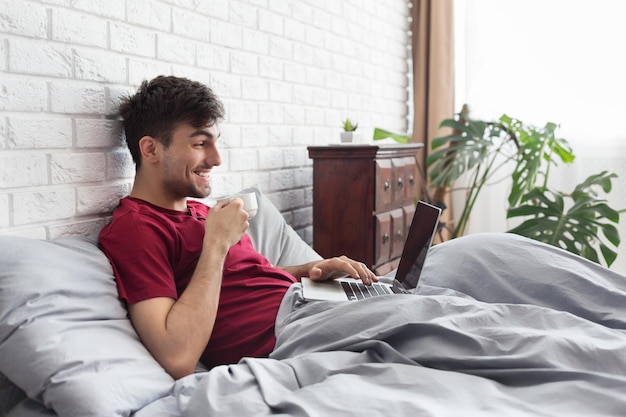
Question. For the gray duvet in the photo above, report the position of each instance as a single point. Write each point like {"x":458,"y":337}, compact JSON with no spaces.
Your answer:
{"x":500,"y":326}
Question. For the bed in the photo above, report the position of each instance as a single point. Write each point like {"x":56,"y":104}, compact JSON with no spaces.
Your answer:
{"x":500,"y":325}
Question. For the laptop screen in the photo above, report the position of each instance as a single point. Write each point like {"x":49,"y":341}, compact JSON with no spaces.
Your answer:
{"x":420,"y":237}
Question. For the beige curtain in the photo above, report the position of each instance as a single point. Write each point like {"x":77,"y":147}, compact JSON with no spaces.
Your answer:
{"x":433,"y":79}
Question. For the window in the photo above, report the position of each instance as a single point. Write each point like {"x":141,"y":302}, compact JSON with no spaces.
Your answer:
{"x":548,"y":60}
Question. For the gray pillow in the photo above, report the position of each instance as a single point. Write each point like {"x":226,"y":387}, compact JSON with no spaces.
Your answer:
{"x":64,"y":335}
{"x":274,"y":238}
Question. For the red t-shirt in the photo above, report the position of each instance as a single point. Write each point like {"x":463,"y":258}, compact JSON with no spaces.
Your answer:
{"x":154,"y":252}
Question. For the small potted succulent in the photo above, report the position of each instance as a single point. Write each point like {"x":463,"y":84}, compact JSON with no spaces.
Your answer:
{"x":348,"y":135}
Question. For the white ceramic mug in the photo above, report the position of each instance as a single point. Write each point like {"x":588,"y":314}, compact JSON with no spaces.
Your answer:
{"x":250,"y":204}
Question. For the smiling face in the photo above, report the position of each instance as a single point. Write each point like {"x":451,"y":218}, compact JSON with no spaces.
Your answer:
{"x":188,"y":160}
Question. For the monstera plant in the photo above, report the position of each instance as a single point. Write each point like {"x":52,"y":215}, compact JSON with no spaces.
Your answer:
{"x":580,"y":221}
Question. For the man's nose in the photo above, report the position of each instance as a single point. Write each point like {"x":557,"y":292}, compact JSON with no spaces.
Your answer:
{"x":213,"y":157}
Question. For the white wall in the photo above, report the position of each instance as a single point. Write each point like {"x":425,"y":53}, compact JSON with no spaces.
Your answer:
{"x":288,"y":72}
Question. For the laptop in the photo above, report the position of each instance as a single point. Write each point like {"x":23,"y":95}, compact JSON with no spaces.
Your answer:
{"x":418,"y":242}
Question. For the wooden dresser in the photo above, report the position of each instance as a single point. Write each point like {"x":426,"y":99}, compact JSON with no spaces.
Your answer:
{"x":364,"y":197}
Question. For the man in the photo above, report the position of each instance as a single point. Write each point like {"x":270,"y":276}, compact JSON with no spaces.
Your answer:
{"x":194,"y":286}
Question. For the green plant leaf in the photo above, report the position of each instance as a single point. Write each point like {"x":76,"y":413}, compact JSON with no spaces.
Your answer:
{"x":603,"y":180}
{"x":463,"y":151}
{"x":380,"y":134}
{"x":454,"y":124}
{"x":609,"y":254}
{"x":443,"y":140}
{"x":536,"y":147}
{"x":349,"y":126}
{"x":579,"y":229}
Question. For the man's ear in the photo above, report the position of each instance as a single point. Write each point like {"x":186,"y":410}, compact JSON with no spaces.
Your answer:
{"x":149,"y":149}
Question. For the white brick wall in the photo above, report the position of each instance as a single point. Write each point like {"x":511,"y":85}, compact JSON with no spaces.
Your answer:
{"x":288,"y":71}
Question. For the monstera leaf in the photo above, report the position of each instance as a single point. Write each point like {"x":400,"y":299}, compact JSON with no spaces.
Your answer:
{"x":538,"y":149}
{"x":576,"y":228}
{"x":471,"y":146}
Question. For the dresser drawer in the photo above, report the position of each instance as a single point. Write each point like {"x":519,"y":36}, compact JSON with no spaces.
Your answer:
{"x":397,"y":232}
{"x":409,"y":211}
{"x":404,"y":173}
{"x":392,"y":228}
{"x":384,"y":184}
{"x":382,"y":238}
{"x":410,"y":175}
{"x":395,"y":182}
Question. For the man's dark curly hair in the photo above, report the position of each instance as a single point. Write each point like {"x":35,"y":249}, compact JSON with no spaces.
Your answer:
{"x":159,"y":106}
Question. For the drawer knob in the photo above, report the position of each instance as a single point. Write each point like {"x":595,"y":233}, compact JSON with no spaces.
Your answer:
{"x":400,"y":183}
{"x":412,"y":180}
{"x":385,"y":238}
{"x":399,"y":235}
{"x":387,"y":184}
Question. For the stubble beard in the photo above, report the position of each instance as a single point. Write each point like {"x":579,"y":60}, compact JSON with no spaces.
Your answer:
{"x":179,"y":188}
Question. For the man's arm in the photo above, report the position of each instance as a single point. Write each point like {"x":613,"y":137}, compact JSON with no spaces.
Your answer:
{"x":176,"y":332}
{"x":332,"y":268}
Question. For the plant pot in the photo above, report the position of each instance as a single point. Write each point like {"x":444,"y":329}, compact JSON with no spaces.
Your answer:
{"x":348,"y":137}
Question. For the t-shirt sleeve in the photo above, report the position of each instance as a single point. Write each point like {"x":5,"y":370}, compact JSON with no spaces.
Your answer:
{"x":140,"y":250}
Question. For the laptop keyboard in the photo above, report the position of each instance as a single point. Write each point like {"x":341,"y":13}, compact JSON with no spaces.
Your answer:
{"x":360,"y":291}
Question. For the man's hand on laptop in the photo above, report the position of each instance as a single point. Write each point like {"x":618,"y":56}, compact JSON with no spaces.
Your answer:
{"x":340,"y":267}
{"x":332,"y":268}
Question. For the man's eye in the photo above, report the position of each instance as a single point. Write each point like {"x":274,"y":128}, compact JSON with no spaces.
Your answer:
{"x":200,"y":144}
